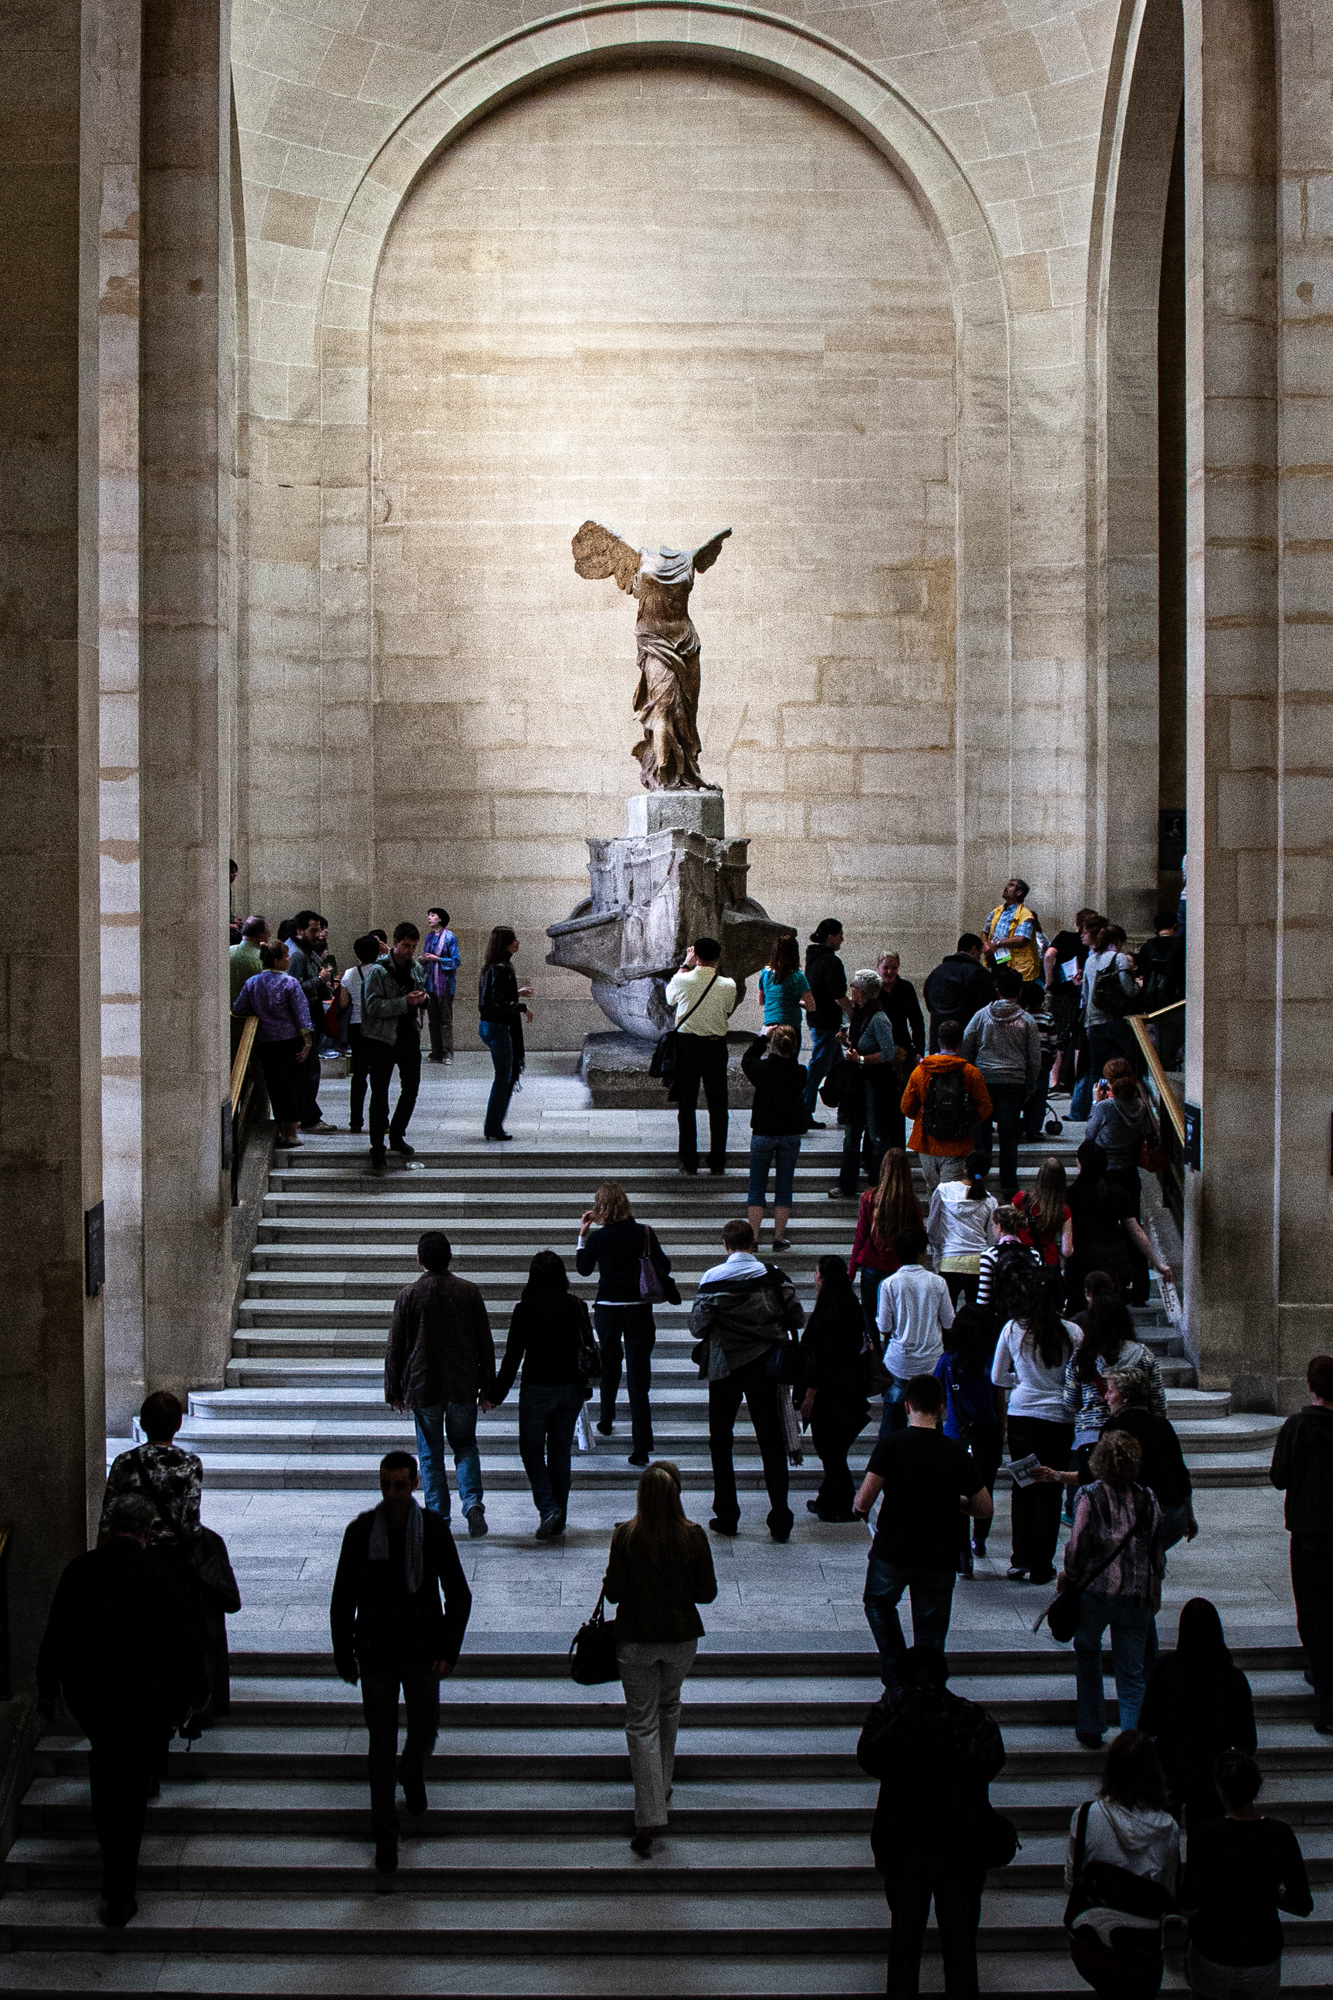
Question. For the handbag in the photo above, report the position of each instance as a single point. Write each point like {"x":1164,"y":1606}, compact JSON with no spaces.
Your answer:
{"x":589,"y":1359}
{"x":663,"y":1064}
{"x":1152,"y":1153}
{"x":1061,"y":1614}
{"x":830,"y":1090}
{"x":592,"y":1650}
{"x":651,"y":1289}
{"x":999,"y":1840}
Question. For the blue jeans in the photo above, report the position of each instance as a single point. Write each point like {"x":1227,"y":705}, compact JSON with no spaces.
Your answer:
{"x":546,"y":1420}
{"x":458,"y":1422}
{"x":893,"y":1411}
{"x":379,"y":1705}
{"x":782,"y":1148}
{"x":824,"y":1052}
{"x":1132,"y":1629}
{"x":500,"y":1041}
{"x":931,"y":1593}
{"x":1007,"y":1101}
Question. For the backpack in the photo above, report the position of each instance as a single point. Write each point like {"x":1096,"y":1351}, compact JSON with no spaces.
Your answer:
{"x":948,"y":1112}
{"x":1010,"y":1280}
{"x":1110,"y":996}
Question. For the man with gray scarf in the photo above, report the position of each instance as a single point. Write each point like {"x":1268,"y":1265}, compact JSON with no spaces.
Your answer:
{"x":389,"y":1630}
{"x":741,"y":1318}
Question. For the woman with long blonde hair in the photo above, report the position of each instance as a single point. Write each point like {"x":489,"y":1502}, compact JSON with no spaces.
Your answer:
{"x":660,"y":1570}
{"x":614,"y":1245}
{"x":884,"y":1210}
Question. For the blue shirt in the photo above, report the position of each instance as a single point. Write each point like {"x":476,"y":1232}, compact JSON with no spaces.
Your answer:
{"x":782,"y":998}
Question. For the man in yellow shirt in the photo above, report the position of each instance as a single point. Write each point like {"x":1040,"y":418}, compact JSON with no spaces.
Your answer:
{"x":704,"y":1005}
{"x":1011,"y":933}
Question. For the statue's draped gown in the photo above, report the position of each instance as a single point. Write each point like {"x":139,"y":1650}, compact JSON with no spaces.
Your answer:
{"x":666,"y":700}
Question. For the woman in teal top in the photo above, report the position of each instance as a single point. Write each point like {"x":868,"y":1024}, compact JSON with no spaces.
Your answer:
{"x":783,"y":987}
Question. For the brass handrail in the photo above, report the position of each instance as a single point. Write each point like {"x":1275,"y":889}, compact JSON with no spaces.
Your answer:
{"x":1166,"y":1096}
{"x":238,"y":1068}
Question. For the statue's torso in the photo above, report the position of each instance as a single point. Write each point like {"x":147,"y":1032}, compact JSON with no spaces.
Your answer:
{"x":663,"y":608}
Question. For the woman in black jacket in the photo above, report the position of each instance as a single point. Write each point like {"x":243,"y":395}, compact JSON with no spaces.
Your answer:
{"x":831,"y":1369}
{"x":1198,"y":1703}
{"x":777,"y":1121}
{"x":614,"y":1245}
{"x":550,"y":1335}
{"x":500,"y":1003}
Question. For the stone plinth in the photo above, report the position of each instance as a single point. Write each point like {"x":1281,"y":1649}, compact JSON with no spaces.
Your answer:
{"x":653,"y":893}
{"x":615,"y":1069}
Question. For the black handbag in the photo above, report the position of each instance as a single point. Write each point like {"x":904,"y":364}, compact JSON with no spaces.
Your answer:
{"x":592,"y":1650}
{"x":1062,"y":1613}
{"x":663,"y":1064}
{"x":1102,"y":1885}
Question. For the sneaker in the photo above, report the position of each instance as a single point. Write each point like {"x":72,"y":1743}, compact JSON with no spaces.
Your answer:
{"x":1015,"y":1574}
{"x":323,"y":1126}
{"x":401,"y":1146}
{"x":836,"y":1193}
{"x":435,"y":1059}
{"x":386,"y":1856}
{"x":414,"y":1792}
{"x":476,"y":1521}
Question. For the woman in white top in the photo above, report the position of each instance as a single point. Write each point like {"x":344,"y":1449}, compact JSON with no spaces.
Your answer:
{"x":1031,"y":1357}
{"x":368,"y":949}
{"x":961,"y":1227}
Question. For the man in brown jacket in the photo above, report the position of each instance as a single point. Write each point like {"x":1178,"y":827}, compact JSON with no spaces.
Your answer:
{"x":440,"y":1365}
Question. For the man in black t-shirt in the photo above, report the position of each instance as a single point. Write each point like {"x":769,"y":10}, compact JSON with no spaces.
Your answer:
{"x":925,"y":1479}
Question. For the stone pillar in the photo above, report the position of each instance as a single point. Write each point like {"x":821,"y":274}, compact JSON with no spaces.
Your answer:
{"x":1235,"y":890}
{"x":119,"y":800}
{"x":50,"y":1153}
{"x":185,"y":680}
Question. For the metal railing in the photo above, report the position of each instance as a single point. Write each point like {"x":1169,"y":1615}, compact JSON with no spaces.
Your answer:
{"x":249,"y":1100}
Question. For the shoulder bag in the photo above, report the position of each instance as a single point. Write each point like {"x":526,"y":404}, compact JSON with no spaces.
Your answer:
{"x":663,"y":1064}
{"x":651,"y":1289}
{"x":592,"y":1650}
{"x":206,"y":1554}
{"x":1104,"y":1885}
{"x":1061,"y":1614}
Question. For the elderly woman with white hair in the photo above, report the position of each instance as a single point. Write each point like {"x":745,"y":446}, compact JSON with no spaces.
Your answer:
{"x":869,"y":1076}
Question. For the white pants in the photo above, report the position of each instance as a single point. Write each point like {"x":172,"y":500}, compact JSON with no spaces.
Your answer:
{"x":651,"y":1673}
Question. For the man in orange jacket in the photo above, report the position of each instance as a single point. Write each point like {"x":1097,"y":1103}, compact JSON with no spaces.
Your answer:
{"x":946,"y":1098}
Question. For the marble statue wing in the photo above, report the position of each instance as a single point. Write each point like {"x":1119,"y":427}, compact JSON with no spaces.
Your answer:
{"x":705,"y":557}
{"x":599,"y":553}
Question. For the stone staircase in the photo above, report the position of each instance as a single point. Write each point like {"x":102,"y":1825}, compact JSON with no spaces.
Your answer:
{"x":256,"y":1876}
{"x":303,"y":1405}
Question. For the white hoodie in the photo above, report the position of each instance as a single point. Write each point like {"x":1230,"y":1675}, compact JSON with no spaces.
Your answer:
{"x":1145,"y":1841}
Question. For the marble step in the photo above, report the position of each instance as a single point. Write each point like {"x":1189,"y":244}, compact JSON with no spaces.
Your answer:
{"x":248,"y":1371}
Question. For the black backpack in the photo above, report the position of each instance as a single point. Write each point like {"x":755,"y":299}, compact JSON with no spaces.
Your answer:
{"x":948,"y":1112}
{"x":1109,"y":995}
{"x":1011,"y":1280}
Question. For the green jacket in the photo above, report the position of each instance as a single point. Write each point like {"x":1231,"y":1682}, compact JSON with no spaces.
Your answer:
{"x":382,"y":1003}
{"x":245,"y":962}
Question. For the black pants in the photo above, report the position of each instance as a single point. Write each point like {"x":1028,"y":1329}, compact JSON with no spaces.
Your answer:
{"x":384,"y":1058}
{"x":701,"y":1059}
{"x":761,"y":1400}
{"x":834,"y":1429}
{"x":124,"y":1758}
{"x":284,"y":1077}
{"x":908,"y":1889}
{"x":987,"y":1448}
{"x":307,"y":1087}
{"x":627,"y":1333}
{"x":1035,"y":1510}
{"x":379,"y":1705}
{"x":359,"y":1049}
{"x":1312,"y":1588}
{"x":440,"y":1017}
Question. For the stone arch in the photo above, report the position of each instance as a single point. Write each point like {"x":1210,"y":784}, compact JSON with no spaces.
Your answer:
{"x":788,"y":54}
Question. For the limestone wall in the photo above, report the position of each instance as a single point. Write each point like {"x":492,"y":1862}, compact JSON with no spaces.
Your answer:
{"x":675,"y":299}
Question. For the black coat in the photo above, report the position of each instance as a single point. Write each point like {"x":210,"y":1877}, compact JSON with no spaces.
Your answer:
{"x":934,"y":1755}
{"x":376,"y":1624}
{"x":779,"y":1091}
{"x":440,"y":1349}
{"x":614,"y":1252}
{"x":120,"y":1642}
{"x":957,"y":989}
{"x":828,"y":982}
{"x":904,"y":1011}
{"x":1191,"y":1718}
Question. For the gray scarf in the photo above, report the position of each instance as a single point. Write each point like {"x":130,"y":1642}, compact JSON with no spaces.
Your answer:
{"x":414,"y":1560}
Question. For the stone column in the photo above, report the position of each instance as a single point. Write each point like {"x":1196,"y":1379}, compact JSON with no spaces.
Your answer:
{"x":185,"y":684}
{"x":1233,"y":708}
{"x":50,"y":1153}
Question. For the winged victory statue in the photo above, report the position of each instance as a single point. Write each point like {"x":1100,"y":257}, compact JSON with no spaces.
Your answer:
{"x":666,"y":700}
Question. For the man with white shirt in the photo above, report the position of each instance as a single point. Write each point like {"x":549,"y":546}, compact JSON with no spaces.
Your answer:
{"x":704,"y":1004}
{"x":914,"y":1313}
{"x":743,"y":1312}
